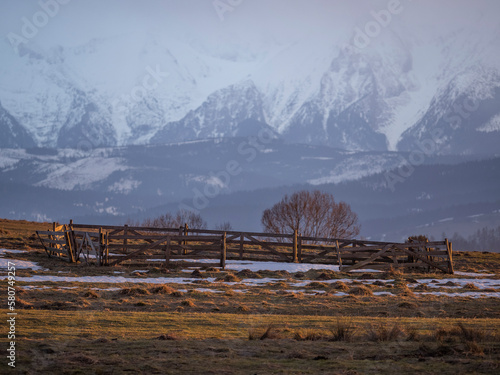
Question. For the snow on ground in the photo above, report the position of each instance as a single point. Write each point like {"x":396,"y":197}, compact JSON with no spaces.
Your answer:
{"x":238,"y":265}
{"x":3,"y":251}
{"x":107,"y":279}
{"x":463,"y":294}
{"x":18,"y":264}
{"x":477,"y":279}
{"x":459,"y":283}
{"x":473,"y":274}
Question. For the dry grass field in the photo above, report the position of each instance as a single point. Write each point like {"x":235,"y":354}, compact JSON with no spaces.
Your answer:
{"x":78,"y":319}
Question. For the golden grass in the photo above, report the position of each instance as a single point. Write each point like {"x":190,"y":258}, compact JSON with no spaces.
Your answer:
{"x":164,"y":330}
{"x":62,"y":325}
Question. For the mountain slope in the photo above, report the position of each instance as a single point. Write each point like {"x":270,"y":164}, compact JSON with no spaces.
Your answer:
{"x":148,"y":88}
{"x":13,"y":134}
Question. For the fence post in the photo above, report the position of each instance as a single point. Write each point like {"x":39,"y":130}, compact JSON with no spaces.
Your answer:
{"x":450,"y":251}
{"x":107,"y":250}
{"x":242,"y":239}
{"x":167,"y":253}
{"x":67,"y":237}
{"x":125,"y":230}
{"x":299,"y":248}
{"x":223,"y":252}
{"x":181,"y":230}
{"x":185,"y":234}
{"x":72,"y":239}
{"x":339,"y":258}
{"x":101,"y":248}
{"x":294,"y":248}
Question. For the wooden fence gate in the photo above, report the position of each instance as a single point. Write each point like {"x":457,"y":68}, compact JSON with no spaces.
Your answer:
{"x":112,"y":245}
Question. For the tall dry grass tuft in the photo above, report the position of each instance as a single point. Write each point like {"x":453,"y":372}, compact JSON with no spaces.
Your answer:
{"x":361,"y":290}
{"x":308,"y":335}
{"x":470,"y":286}
{"x":188,"y":303}
{"x":470,"y":334}
{"x":229,"y":277}
{"x":91,"y":294}
{"x":384,"y":333}
{"x":161,"y":289}
{"x":271,"y":333}
{"x":134,"y":291}
{"x":343,"y":331}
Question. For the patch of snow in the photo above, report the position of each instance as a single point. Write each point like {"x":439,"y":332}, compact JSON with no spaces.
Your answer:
{"x":316,"y":158}
{"x":207,"y":290}
{"x":462,"y":294}
{"x":276,"y":266}
{"x":460,"y":283}
{"x":238,"y":265}
{"x":474,"y":216}
{"x":365,"y":270}
{"x":7,"y":162}
{"x":107,"y":279}
{"x":3,"y":251}
{"x":81,"y":173}
{"x":447,"y":219}
{"x":383,"y":293}
{"x":19,"y":264}
{"x":473,"y":274}
{"x":124,"y":186}
{"x":491,"y":126}
{"x":107,"y":289}
{"x":354,"y":168}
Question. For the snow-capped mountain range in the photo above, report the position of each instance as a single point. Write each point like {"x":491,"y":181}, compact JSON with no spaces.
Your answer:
{"x":153,"y":89}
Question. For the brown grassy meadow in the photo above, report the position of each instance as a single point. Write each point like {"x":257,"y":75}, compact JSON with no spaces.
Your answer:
{"x":336,"y":323}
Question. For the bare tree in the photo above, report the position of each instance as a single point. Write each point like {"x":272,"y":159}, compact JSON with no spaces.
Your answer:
{"x":181,"y":217}
{"x":312,"y":214}
{"x":225,"y":226}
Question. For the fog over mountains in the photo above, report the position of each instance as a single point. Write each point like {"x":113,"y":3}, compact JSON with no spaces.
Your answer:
{"x":393,"y":78}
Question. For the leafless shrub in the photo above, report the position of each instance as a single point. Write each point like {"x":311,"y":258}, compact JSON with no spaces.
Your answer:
{"x":225,"y":226}
{"x":181,"y":217}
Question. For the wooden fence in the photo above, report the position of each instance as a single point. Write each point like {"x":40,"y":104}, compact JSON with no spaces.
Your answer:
{"x":111,"y":245}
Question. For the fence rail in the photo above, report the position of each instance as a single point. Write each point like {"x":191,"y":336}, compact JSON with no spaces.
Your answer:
{"x":111,"y":245}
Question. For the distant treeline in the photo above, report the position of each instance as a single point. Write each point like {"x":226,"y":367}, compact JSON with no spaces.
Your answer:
{"x":485,"y":239}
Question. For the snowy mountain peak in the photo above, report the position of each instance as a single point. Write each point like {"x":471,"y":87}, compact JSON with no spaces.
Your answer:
{"x":146,"y":87}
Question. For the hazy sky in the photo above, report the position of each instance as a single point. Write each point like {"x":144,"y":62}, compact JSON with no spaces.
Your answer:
{"x":251,"y":21}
